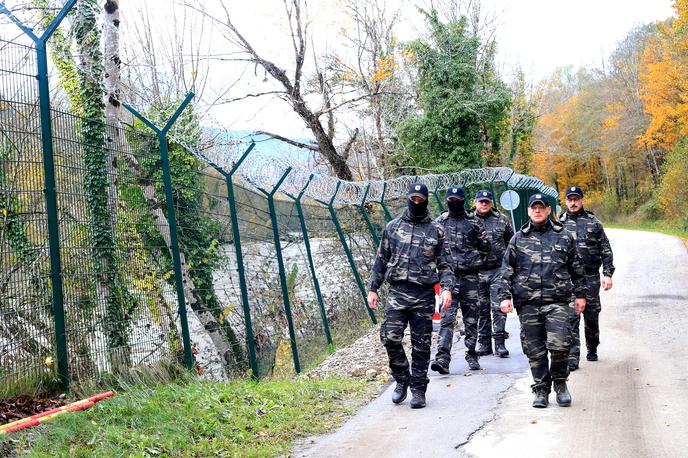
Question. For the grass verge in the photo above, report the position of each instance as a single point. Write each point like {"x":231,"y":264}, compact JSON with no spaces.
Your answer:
{"x":652,"y":226}
{"x":237,"y":418}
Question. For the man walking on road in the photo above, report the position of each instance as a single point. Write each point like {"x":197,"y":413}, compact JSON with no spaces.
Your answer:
{"x":540,"y":273}
{"x":491,"y":320}
{"x":412,"y":258}
{"x":594,"y":251}
{"x":468,"y":245}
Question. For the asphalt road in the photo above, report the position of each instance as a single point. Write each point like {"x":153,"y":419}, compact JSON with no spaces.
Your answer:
{"x":632,"y":402}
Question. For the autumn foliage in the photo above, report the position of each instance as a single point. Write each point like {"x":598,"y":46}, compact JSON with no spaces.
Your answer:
{"x":620,"y":131}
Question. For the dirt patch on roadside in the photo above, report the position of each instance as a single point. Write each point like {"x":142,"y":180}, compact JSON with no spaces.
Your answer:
{"x":366,"y":357}
{"x":12,"y":409}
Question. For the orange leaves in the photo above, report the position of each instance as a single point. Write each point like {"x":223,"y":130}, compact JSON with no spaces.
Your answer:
{"x":664,"y":82}
{"x":384,"y":68}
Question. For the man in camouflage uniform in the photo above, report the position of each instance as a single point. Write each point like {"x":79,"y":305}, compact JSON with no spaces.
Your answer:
{"x":412,"y":258}
{"x":499,"y":231}
{"x":468,"y":245}
{"x":594,"y":251}
{"x":540,"y":274}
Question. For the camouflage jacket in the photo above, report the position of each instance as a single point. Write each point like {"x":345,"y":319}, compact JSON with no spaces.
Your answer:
{"x":592,"y":243}
{"x":541,"y":266}
{"x":468,"y":242}
{"x":499,"y":231}
{"x":412,"y":250}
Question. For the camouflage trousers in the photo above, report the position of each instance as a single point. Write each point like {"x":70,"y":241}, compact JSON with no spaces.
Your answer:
{"x":545,"y":331}
{"x":491,"y":320}
{"x":464,"y":295}
{"x":591,"y":317}
{"x":412,"y":305}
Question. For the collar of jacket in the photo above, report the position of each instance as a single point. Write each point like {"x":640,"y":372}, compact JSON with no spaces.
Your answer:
{"x":492,"y":212}
{"x":582,"y":212}
{"x":407,"y":216}
{"x":529,"y":227}
{"x":465,"y":214}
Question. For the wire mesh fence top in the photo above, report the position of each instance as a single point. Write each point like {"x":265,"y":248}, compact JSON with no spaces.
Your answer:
{"x":263,"y":171}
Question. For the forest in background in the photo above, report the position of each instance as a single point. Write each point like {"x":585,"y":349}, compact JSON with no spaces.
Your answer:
{"x":620,"y":131}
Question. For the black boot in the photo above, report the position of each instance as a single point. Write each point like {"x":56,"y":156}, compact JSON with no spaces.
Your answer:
{"x":563,"y":395}
{"x":484,"y":347}
{"x":400,"y":391}
{"x":417,"y":399}
{"x":573,"y":365}
{"x":592,"y":354}
{"x":441,"y":366}
{"x":500,"y":349}
{"x":472,"y":361}
{"x":541,"y":399}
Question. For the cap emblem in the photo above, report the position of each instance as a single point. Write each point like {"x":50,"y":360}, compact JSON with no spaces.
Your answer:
{"x":484,"y":193}
{"x":538,"y":196}
{"x":573,"y":188}
{"x":418,"y":188}
{"x":454,"y":189}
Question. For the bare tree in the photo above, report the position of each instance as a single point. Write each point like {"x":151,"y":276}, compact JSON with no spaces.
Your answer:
{"x":373,"y":67}
{"x":293,"y":86}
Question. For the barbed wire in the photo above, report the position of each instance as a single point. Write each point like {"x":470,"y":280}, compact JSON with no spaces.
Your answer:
{"x":263,"y":170}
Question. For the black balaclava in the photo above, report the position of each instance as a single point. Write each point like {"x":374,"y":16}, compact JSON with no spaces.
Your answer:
{"x":418,"y":210}
{"x":456,"y":208}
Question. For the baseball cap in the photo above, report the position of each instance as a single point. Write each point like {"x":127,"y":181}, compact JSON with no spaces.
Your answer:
{"x":484,"y":194}
{"x":535,"y":198}
{"x":574,"y":191}
{"x":418,"y":189}
{"x":455,"y":192}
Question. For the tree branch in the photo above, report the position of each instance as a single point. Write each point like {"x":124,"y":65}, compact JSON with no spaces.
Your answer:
{"x":287,"y":140}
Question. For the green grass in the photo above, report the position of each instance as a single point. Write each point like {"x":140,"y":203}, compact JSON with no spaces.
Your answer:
{"x":237,"y":418}
{"x":652,"y":226}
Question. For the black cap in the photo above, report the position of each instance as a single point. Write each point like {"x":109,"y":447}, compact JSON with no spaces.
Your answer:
{"x":418,"y":189}
{"x":574,"y":191}
{"x":484,"y":194}
{"x":538,"y":198}
{"x":456,"y":192}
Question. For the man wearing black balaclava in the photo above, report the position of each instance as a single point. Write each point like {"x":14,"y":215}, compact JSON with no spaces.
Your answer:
{"x":412,"y":258}
{"x":468,"y":245}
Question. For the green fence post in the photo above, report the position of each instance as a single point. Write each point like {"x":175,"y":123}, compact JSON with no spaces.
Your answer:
{"x":347,"y":250}
{"x":280,"y":265}
{"x":371,"y":228}
{"x":238,"y":252}
{"x":172,"y":219}
{"x":236,"y":236}
{"x":311,"y":265}
{"x":437,"y":198}
{"x":243,"y":284}
{"x":388,"y":215}
{"x":492,"y":188}
{"x":57,"y":288}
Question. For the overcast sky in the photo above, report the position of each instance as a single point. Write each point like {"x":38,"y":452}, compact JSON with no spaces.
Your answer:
{"x":542,"y":35}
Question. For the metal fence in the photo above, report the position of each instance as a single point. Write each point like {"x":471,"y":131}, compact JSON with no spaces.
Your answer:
{"x":231,"y":266}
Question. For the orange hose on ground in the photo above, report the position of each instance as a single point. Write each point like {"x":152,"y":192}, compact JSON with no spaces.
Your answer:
{"x":52,"y":413}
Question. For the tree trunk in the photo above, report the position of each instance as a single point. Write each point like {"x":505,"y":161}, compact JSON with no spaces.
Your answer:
{"x":210,"y":324}
{"x":96,"y":183}
{"x":327,"y":149}
{"x":111,"y":80}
